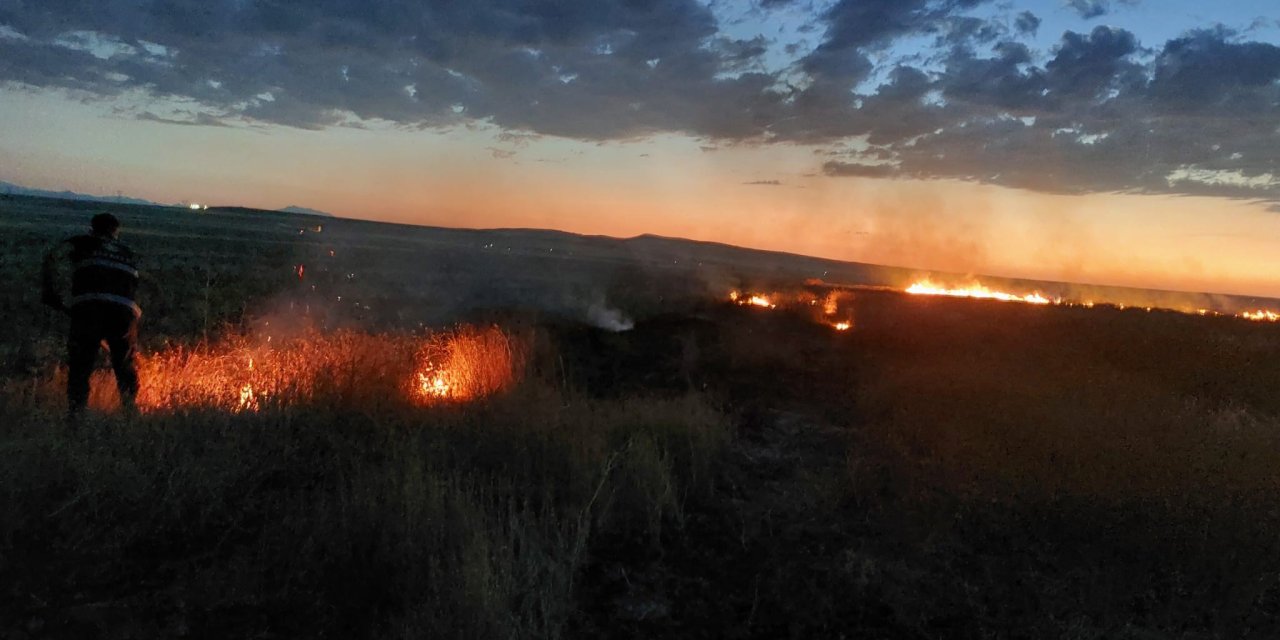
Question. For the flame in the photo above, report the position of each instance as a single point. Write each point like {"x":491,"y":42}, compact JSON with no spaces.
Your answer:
{"x":752,"y":300}
{"x":842,"y":326}
{"x":466,"y":364}
{"x":432,"y":385}
{"x":243,"y":373}
{"x":248,"y":401}
{"x":1261,"y":315}
{"x":831,"y":304}
{"x":925,"y":287}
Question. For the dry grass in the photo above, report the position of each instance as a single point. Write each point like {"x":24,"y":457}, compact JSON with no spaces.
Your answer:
{"x":301,"y":520}
{"x":467,"y":363}
{"x":343,"y":369}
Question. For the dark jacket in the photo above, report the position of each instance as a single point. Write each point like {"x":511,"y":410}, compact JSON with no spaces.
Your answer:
{"x":103,"y":270}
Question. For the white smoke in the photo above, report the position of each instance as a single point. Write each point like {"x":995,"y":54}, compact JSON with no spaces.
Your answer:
{"x":604,"y":317}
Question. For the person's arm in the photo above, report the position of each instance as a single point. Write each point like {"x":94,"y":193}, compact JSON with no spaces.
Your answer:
{"x":49,"y":290}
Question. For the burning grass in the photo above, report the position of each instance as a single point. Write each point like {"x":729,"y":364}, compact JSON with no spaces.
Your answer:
{"x":466,"y":364}
{"x":926,"y":287}
{"x":832,"y":308}
{"x":752,"y":300}
{"x":244,"y":373}
{"x":980,"y":291}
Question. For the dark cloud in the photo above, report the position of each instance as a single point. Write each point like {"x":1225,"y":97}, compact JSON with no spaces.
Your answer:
{"x":1100,"y":115}
{"x":586,"y":68}
{"x":1096,"y":112}
{"x":854,"y":169}
{"x":1205,"y":71}
{"x":1088,"y":65}
{"x":1027,"y":23}
{"x":1089,"y":9}
{"x":199,"y":119}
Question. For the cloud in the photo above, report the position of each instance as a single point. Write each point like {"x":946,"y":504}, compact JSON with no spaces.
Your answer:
{"x":1096,"y":111}
{"x":854,"y":169}
{"x":765,"y":183}
{"x":199,"y":119}
{"x":1089,"y":9}
{"x":1086,"y":66}
{"x":1027,"y":23}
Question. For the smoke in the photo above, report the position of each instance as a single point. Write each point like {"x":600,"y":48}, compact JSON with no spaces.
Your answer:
{"x":608,"y":318}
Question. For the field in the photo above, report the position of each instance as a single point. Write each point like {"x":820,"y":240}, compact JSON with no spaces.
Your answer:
{"x":946,"y":468}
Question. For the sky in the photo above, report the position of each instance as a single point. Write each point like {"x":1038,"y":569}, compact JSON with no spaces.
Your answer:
{"x":1128,"y":142}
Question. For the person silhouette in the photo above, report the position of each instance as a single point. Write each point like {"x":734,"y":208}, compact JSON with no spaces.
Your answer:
{"x":103,"y":308}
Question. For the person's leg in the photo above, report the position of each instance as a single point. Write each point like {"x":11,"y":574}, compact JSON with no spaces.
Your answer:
{"x":83,"y":342}
{"x":124,"y":349}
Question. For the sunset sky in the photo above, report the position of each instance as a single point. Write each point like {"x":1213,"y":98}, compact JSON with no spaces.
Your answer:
{"x":1132,"y":142}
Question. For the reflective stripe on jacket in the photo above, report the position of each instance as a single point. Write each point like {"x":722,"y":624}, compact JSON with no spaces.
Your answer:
{"x":104,"y":270}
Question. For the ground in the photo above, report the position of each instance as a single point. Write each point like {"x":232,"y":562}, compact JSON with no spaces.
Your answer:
{"x":945,"y":469}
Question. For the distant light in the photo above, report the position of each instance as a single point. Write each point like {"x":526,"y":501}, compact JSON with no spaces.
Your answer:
{"x":195,"y":207}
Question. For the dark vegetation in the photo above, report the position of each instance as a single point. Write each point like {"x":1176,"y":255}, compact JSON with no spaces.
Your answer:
{"x":948,"y":469}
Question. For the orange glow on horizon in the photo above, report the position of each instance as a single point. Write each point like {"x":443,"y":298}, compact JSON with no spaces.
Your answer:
{"x":665,"y":185}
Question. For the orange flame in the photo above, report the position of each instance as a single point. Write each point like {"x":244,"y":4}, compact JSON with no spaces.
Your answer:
{"x":1261,"y":315}
{"x":248,"y":401}
{"x":432,"y":385}
{"x":466,"y":364}
{"x":925,"y":287}
{"x":752,"y":300}
{"x":831,"y":304}
{"x":241,"y":374}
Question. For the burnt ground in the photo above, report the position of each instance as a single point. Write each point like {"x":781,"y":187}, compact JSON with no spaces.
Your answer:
{"x":769,"y":555}
{"x":824,"y":525}
{"x":763,"y":561}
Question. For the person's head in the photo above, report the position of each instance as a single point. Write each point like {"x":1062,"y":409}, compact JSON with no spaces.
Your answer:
{"x":105,"y":224}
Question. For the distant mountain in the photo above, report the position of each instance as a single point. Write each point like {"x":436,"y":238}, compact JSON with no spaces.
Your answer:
{"x":8,"y":188}
{"x":306,"y":212}
{"x":18,"y":190}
